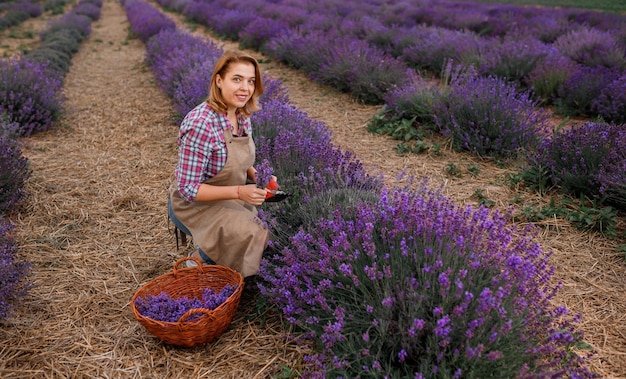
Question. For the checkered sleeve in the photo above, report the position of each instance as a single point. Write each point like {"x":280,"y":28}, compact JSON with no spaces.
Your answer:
{"x":196,"y":146}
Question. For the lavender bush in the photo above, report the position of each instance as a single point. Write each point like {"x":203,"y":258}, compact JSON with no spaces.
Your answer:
{"x":30,"y":94}
{"x":366,"y":72}
{"x":13,"y":273}
{"x":162,"y":307}
{"x":592,"y":48}
{"x":182,"y":65}
{"x":579,"y":92}
{"x":612,"y":173}
{"x":463,"y":294}
{"x":409,"y":111}
{"x":514,"y":59}
{"x":611,"y":103}
{"x":304,"y":161}
{"x":146,"y":20}
{"x":546,"y":79}
{"x":62,"y":37}
{"x":14,"y":169}
{"x":587,"y":159}
{"x":489,"y":116}
{"x":264,"y":173}
{"x":18,"y":13}
{"x":233,"y":22}
{"x":431,"y":48}
{"x":259,"y":31}
{"x":416,"y":99}
{"x":307,"y":53}
{"x":91,"y":9}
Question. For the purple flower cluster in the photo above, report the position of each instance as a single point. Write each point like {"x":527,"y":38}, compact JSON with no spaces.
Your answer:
{"x":259,"y":31}
{"x":592,"y":48}
{"x":182,"y":65}
{"x":611,"y":103}
{"x":546,"y":79}
{"x":514,"y":58}
{"x":301,"y":153}
{"x":263,"y":173}
{"x":30,"y":95}
{"x":580,"y":93}
{"x":489,"y":116}
{"x":162,"y":307}
{"x":18,"y":12}
{"x":13,"y":283}
{"x":145,"y":20}
{"x":461,"y":290}
{"x":14,"y":169}
{"x":588,"y":159}
{"x":432,"y":47}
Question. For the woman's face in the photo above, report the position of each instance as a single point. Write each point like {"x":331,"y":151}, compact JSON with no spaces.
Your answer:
{"x":237,"y":85}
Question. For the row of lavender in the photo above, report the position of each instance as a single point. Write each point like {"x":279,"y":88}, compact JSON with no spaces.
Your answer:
{"x":15,"y":13}
{"x":30,"y":102}
{"x":382,"y":283}
{"x":571,"y":58}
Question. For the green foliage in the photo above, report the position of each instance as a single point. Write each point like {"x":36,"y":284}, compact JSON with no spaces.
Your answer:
{"x":399,"y":129}
{"x":482,"y":199}
{"x":414,"y":147}
{"x":473,"y":169}
{"x":536,"y":177}
{"x":586,"y":215}
{"x":453,"y":170}
{"x":592,"y":217}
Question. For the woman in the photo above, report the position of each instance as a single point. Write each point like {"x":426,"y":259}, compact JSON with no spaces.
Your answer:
{"x":216,"y":153}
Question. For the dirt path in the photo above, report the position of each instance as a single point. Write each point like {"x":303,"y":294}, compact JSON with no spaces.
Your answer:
{"x":95,"y":228}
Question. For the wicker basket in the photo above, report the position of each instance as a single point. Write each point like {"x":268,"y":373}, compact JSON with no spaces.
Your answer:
{"x":190,"y":282}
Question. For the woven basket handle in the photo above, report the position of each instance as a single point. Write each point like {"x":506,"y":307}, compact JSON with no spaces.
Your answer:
{"x":183,"y":259}
{"x":194,"y":311}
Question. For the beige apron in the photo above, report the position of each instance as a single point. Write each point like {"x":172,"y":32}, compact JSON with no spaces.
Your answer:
{"x":228,"y":231}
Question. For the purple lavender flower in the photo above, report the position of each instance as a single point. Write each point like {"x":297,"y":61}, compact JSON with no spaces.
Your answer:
{"x":586,"y":159}
{"x":502,"y":299}
{"x":30,"y":94}
{"x":489,"y":116}
{"x":146,"y":20}
{"x":162,"y":307}
{"x":263,"y":174}
{"x":592,"y":47}
{"x":14,"y":171}
{"x":13,"y":273}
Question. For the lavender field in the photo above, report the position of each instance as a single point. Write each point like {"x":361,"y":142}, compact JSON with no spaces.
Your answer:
{"x":457,"y":174}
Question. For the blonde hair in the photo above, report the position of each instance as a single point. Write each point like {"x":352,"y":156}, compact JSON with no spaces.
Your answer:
{"x":216,"y":100}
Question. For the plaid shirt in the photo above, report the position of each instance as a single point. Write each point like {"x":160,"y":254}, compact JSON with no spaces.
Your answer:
{"x":201,"y":147}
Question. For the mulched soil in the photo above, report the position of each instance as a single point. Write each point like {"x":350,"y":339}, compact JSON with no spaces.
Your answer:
{"x":95,"y":227}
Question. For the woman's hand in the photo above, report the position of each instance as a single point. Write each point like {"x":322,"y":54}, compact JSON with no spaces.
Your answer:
{"x":251,"y":194}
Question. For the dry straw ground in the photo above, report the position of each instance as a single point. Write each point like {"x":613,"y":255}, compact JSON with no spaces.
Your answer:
{"x":95,"y":227}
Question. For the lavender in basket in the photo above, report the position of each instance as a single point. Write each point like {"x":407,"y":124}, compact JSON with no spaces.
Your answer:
{"x":162,"y":307}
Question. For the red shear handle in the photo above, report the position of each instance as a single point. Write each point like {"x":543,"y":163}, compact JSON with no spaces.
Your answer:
{"x":271,"y":187}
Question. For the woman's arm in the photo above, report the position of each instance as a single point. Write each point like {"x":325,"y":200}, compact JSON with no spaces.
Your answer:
{"x":248,"y":193}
